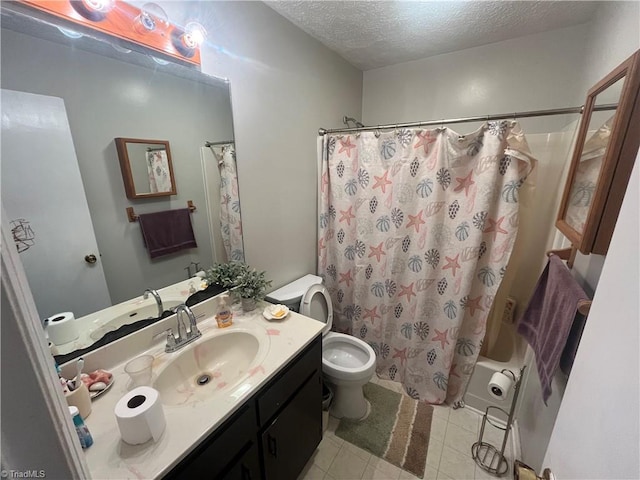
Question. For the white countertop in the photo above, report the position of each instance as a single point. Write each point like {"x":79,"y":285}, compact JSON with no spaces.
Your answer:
{"x":174,"y":294}
{"x":189,"y":424}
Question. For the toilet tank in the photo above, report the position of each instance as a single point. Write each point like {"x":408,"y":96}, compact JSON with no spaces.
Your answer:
{"x":291,"y":293}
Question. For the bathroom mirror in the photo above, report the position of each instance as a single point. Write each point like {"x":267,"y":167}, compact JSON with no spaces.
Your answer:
{"x":146,"y":167}
{"x":605,"y":151}
{"x":105,"y":92}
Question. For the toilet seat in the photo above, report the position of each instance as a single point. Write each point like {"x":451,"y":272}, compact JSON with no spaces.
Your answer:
{"x":316,"y":303}
{"x":347,"y":358}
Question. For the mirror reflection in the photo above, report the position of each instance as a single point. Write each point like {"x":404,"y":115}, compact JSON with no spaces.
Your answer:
{"x":591,"y":158}
{"x":146,"y":167}
{"x":62,"y":183}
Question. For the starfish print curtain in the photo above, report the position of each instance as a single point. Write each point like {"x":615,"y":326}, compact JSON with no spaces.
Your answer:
{"x":230,"y":215}
{"x":415,"y":231}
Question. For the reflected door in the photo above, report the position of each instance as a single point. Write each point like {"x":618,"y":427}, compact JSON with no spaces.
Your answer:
{"x":43,"y":196}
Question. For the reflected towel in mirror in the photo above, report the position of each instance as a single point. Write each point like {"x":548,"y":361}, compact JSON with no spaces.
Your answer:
{"x":167,"y":232}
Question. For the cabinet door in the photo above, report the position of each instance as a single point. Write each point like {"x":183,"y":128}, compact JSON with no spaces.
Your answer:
{"x":293,"y":436}
{"x":247,"y":467}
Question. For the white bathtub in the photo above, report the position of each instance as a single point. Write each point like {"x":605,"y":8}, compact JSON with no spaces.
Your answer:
{"x":508,"y":352}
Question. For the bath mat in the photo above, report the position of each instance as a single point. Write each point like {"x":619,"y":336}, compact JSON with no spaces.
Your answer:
{"x":397,"y":429}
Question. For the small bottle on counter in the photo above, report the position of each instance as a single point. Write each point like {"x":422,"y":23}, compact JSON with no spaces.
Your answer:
{"x":86,"y":440}
{"x":224,"y":317}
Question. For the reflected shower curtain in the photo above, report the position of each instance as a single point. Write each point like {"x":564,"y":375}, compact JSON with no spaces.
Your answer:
{"x":158,"y":171}
{"x":415,"y":231}
{"x":230,"y":216}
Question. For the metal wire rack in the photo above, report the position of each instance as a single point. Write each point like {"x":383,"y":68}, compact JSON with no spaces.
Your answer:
{"x":486,"y":455}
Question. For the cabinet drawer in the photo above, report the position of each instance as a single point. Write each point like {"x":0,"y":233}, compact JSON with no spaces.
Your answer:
{"x":211,"y":458}
{"x":285,"y":385}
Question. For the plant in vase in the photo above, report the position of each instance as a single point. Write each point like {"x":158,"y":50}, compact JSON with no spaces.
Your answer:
{"x":225,"y":274}
{"x":251,"y":286}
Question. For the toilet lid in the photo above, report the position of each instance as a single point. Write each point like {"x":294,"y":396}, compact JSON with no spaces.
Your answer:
{"x":316,"y":303}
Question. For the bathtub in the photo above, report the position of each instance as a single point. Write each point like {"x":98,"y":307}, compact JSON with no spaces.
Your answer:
{"x":508,"y":352}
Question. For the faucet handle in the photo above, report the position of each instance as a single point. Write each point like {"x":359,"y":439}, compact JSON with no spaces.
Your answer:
{"x":171,"y":339}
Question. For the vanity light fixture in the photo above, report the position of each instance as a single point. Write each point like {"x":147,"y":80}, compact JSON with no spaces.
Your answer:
{"x":148,"y":25}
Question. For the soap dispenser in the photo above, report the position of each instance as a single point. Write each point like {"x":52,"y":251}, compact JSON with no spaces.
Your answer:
{"x":224,"y":317}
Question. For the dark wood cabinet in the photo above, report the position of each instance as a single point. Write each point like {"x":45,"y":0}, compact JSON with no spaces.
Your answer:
{"x":272,"y":435}
{"x":290,"y":440}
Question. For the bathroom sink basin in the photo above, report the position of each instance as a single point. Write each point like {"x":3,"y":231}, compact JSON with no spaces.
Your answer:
{"x":207,"y":368}
{"x":128,"y":315}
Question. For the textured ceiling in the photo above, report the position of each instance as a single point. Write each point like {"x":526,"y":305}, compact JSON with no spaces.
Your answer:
{"x":372,"y":34}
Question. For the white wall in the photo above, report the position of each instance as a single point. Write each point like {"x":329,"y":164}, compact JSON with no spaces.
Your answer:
{"x":528,"y":73}
{"x":596,"y":433}
{"x":284,"y":86}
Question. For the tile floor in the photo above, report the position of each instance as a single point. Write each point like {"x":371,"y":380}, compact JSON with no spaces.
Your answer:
{"x":449,"y":456}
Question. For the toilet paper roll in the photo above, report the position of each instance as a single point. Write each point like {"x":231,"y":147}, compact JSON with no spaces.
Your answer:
{"x":499,"y":386}
{"x":62,"y":328}
{"x":140,"y":416}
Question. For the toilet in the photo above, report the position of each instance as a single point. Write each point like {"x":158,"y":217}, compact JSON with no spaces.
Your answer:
{"x":348,"y":363}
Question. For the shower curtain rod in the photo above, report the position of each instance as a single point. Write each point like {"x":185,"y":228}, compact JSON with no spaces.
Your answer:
{"x":224,"y":142}
{"x":484,"y":118}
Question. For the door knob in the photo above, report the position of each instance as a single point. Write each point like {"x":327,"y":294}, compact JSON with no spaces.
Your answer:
{"x":91,"y":258}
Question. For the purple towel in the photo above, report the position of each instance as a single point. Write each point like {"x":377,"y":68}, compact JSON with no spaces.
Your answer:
{"x":167,"y":232}
{"x":546,"y":322}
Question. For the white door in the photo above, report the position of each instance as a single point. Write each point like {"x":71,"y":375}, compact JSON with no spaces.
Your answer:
{"x":596,"y":432}
{"x":44,"y":200}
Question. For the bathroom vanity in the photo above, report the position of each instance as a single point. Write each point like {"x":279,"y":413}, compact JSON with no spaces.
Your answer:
{"x":273,"y":434}
{"x":265,"y":423}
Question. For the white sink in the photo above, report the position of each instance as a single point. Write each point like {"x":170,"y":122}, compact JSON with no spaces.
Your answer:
{"x":210,"y":366}
{"x":129,"y":315}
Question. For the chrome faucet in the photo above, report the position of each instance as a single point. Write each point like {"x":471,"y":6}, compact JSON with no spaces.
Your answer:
{"x":184,"y":336}
{"x":156,"y":295}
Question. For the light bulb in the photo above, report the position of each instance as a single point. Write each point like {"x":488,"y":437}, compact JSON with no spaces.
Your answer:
{"x":95,"y":10}
{"x":188,"y":40}
{"x":195,"y":34}
{"x":151,"y":16}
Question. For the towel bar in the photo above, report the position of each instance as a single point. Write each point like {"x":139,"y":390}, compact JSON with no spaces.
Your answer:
{"x":584,"y":306}
{"x":131,"y":215}
{"x":568,"y":254}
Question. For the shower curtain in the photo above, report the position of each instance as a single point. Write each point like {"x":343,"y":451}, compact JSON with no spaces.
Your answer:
{"x":158,"y":171}
{"x":415,"y":231}
{"x":230,"y":216}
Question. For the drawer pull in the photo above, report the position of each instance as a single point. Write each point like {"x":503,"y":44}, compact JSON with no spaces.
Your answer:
{"x":273,"y":446}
